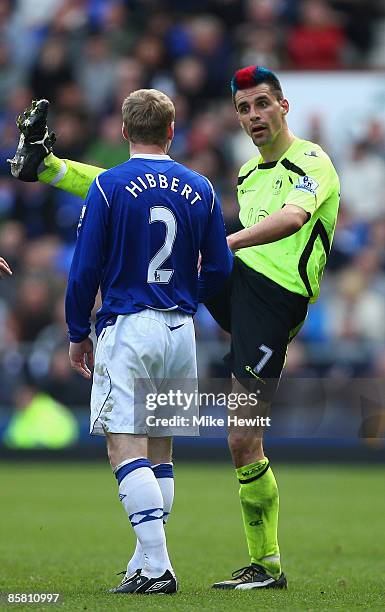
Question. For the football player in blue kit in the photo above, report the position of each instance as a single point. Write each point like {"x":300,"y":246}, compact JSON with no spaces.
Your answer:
{"x":142,"y":228}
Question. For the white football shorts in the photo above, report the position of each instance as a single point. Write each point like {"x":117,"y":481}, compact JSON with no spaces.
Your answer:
{"x":152,"y":347}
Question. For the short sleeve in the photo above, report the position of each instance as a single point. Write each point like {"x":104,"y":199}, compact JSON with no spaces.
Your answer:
{"x":313,"y":188}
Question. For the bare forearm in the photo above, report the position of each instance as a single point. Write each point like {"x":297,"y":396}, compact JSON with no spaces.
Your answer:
{"x":274,"y":227}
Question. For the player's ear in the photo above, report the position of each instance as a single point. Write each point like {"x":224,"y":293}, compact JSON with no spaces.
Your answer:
{"x":170,"y":131}
{"x":125,"y":132}
{"x":238,"y":115}
{"x":284,"y":106}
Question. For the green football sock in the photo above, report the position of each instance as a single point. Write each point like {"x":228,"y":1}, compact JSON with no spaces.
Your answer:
{"x":260,"y":503}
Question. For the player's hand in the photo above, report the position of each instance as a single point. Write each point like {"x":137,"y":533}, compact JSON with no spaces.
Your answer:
{"x":5,"y":270}
{"x":230,"y":243}
{"x":82,"y":357}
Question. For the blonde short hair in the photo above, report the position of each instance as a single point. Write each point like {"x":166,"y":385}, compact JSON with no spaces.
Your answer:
{"x":147,"y":113}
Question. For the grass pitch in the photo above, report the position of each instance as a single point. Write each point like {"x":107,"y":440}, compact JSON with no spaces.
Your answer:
{"x":64,"y":531}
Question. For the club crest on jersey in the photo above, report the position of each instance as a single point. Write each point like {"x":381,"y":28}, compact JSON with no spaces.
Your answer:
{"x":277,"y":184}
{"x":307,"y":183}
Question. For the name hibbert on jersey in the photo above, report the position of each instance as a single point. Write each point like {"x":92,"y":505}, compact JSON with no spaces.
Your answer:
{"x":207,"y":421}
{"x":160,"y":181}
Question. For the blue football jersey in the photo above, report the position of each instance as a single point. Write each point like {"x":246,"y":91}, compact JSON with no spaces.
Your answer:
{"x":142,"y":227}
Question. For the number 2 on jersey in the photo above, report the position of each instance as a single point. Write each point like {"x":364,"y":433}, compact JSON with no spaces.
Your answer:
{"x":156,"y":274}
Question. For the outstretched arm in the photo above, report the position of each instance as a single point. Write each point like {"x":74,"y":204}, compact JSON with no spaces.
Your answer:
{"x":34,"y":160}
{"x":71,"y":176}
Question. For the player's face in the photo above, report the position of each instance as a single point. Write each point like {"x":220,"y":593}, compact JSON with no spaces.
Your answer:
{"x":260,"y":113}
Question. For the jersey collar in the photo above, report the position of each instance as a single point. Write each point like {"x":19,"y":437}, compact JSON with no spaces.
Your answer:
{"x":149,"y":156}
{"x":266,"y":165}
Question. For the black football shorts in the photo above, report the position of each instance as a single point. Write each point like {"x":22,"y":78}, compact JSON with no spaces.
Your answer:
{"x":262,"y":318}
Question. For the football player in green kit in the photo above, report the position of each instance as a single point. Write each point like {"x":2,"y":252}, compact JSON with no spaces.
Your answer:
{"x":288,"y":196}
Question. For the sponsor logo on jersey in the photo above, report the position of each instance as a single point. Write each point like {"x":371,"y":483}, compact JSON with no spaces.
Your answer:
{"x":311,"y":153}
{"x":243,"y":191}
{"x":307,"y":183}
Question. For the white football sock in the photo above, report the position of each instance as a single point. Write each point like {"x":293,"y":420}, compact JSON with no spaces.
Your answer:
{"x":164,"y":474}
{"x":142,"y":499}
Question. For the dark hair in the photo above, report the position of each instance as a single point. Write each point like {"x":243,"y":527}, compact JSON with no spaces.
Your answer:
{"x":255,"y":75}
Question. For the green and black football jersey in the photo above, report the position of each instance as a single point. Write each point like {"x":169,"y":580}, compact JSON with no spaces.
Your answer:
{"x":306,"y":177}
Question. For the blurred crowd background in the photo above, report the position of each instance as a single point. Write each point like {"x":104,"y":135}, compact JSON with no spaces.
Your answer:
{"x":85,"y":56}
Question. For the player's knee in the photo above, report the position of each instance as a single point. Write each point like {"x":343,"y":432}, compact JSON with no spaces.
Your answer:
{"x":245,"y":447}
{"x":125,"y":447}
{"x":160,"y":450}
{"x":112,"y":456}
{"x":241,"y":440}
{"x":114,"y":451}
